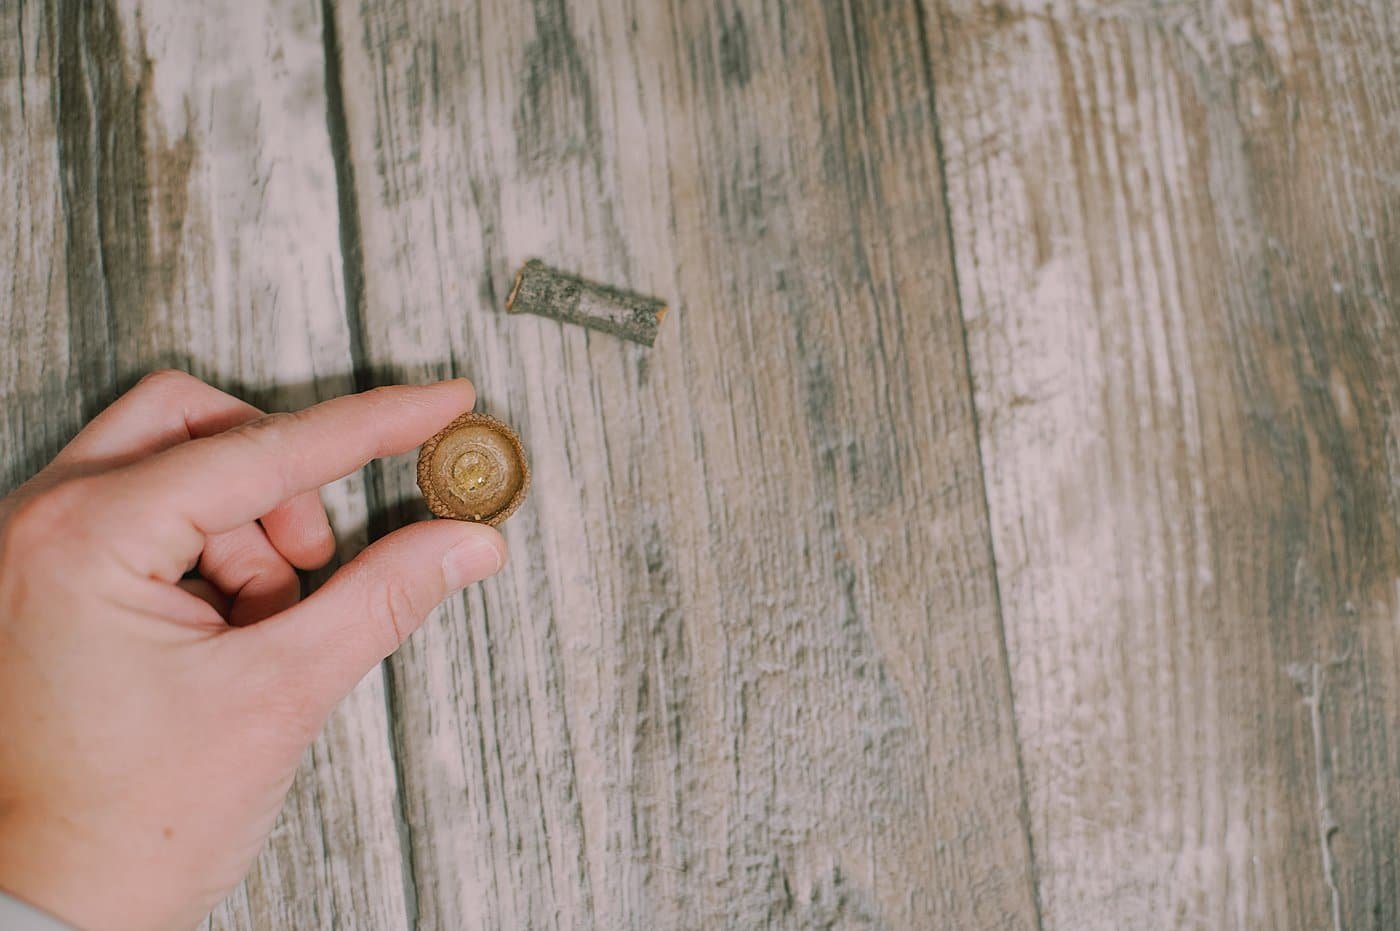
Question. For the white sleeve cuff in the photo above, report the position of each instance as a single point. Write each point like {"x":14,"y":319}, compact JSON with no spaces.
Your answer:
{"x":18,"y":916}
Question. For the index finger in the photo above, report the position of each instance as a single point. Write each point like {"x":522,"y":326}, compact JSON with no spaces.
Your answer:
{"x":170,"y":407}
{"x":214,"y":484}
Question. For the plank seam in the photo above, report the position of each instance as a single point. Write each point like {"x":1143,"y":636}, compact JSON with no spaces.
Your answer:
{"x":926,"y":57}
{"x":353,"y":271}
{"x":352,"y":259}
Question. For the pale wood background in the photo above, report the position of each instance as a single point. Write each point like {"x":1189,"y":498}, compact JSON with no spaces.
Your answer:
{"x":1001,"y":534}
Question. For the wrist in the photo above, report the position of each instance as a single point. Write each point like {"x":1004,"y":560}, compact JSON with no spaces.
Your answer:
{"x":33,"y":868}
{"x":18,"y":915}
{"x":46,"y":865}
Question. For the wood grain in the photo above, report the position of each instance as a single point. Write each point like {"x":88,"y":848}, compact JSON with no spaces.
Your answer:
{"x":745,"y":668}
{"x":170,"y":200}
{"x":1177,"y":231}
{"x":1001,"y":533}
{"x":40,"y":412}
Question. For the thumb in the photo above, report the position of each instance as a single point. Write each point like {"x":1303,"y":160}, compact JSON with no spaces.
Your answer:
{"x":372,"y":603}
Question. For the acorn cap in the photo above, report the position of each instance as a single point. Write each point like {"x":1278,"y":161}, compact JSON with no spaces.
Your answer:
{"x":474,"y":470}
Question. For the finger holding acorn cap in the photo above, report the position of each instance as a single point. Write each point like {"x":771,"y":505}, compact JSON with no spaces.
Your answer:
{"x":474,"y":470}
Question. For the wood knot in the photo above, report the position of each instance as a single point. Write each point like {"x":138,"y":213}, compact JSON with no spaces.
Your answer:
{"x":474,"y":470}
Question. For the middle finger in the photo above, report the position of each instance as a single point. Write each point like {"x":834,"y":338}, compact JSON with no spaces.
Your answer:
{"x":244,"y":565}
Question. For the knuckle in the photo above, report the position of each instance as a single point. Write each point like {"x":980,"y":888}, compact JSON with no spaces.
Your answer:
{"x":164,"y":379}
{"x":267,"y":427}
{"x":278,"y":573}
{"x":265,"y":573}
{"x":48,"y":516}
{"x":244,"y":559}
{"x":394,"y":615}
{"x":277,"y":580}
{"x":268,"y":437}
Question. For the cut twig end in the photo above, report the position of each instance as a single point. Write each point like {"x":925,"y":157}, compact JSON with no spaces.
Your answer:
{"x":515,"y":287}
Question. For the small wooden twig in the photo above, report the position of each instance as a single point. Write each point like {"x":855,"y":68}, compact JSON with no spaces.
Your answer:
{"x":558,"y":295}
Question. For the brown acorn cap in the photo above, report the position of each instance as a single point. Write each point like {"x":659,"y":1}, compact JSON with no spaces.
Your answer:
{"x":474,"y":470}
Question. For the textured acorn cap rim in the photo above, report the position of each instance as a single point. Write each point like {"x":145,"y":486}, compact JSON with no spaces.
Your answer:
{"x":425,"y":456}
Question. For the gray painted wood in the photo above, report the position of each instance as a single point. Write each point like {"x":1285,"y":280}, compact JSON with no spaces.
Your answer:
{"x":1020,"y":556}
{"x":745,"y":667}
{"x":170,"y":199}
{"x":1177,"y":231}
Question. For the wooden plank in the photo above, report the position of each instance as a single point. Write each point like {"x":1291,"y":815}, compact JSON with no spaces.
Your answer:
{"x":1176,"y":231}
{"x":170,"y":199}
{"x":38,"y":413}
{"x":744,"y":669}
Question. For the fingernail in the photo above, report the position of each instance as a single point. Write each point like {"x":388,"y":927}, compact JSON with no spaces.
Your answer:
{"x":461,"y":383}
{"x":478,"y":557}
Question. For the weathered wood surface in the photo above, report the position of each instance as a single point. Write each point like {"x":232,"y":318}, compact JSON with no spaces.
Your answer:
{"x":1177,"y":230}
{"x":170,"y":199}
{"x":1023,"y":556}
{"x":745,"y":669}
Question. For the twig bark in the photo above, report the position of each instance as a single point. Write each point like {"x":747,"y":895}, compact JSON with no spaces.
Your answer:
{"x":549,"y":292}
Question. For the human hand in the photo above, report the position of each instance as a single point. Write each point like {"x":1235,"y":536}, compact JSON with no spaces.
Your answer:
{"x":152,"y":723}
